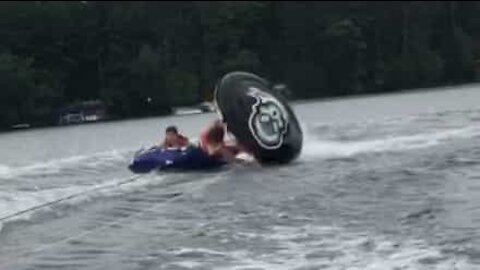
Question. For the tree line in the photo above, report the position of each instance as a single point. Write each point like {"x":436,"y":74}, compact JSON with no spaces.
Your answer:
{"x":141,"y":58}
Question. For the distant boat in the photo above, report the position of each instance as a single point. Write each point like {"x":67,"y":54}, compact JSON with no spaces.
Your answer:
{"x":72,"y":118}
{"x":82,"y":112}
{"x":21,"y":126}
{"x":206,"y":106}
{"x":186,"y":111}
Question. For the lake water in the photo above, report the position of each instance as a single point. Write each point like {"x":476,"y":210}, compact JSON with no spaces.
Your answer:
{"x":383,"y":182}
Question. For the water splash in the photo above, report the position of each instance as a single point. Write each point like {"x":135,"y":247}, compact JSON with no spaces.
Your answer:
{"x":314,"y":148}
{"x":56,"y":166}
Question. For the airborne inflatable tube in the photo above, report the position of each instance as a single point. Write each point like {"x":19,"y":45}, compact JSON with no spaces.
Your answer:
{"x":262,"y":122}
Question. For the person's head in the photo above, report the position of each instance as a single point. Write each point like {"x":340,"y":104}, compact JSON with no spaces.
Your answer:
{"x":171,"y":133}
{"x":216,"y":134}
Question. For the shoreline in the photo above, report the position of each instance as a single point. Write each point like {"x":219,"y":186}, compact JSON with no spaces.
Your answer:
{"x":292,"y":102}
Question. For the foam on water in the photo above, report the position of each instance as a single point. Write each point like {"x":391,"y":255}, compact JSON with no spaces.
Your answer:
{"x":56,"y":166}
{"x":27,"y":203}
{"x":331,"y":248}
{"x":4,"y":170}
{"x":13,"y":202}
{"x":327,"y":149}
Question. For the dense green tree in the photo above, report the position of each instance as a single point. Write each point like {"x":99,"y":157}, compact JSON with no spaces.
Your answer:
{"x":142,"y":58}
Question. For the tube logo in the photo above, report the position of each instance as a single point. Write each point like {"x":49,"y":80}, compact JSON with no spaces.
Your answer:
{"x":268,"y":121}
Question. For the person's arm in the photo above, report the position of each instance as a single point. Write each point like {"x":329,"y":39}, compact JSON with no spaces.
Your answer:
{"x":185,"y":140}
{"x":162,"y":143}
{"x":227,"y":155}
{"x":213,"y":150}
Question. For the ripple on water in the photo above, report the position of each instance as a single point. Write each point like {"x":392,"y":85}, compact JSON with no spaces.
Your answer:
{"x":316,"y":247}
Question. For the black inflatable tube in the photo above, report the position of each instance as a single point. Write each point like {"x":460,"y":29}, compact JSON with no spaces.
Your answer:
{"x":262,"y":122}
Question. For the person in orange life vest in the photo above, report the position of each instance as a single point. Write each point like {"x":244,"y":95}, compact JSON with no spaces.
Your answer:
{"x":173,"y":139}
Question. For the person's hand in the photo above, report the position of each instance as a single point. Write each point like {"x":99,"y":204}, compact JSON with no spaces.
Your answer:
{"x":214,"y":149}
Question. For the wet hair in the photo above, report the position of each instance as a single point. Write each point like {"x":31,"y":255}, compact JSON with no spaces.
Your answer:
{"x":172,"y":129}
{"x":216,"y":134}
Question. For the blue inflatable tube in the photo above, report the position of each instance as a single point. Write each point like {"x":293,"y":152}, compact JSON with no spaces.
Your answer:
{"x":189,"y":158}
